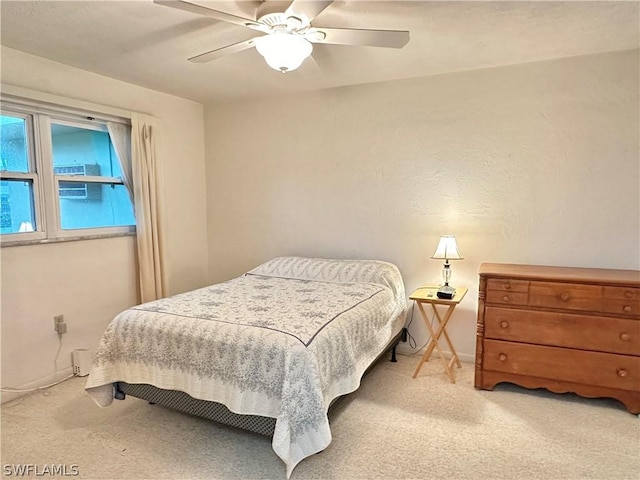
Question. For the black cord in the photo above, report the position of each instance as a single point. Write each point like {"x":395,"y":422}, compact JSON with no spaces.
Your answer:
{"x":410,"y":339}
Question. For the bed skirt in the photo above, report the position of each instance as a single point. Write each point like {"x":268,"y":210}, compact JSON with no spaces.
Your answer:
{"x":183,"y":402}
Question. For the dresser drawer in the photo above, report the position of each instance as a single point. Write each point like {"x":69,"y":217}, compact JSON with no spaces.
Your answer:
{"x":561,"y":364}
{"x":506,"y":298}
{"x":604,"y":334}
{"x":566,"y":296}
{"x":622,"y":300}
{"x":508,"y":285}
{"x":622,"y":307}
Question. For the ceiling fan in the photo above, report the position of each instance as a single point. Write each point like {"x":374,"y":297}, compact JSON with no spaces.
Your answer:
{"x":285,"y":36}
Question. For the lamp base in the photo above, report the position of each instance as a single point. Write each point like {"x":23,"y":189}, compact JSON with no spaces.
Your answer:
{"x":446,"y":292}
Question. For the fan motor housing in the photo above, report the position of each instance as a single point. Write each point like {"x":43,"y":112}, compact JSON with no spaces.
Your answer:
{"x":273,"y":19}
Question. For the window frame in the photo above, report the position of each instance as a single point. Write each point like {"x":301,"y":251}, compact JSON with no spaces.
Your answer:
{"x":32,"y":146}
{"x":45,"y":182}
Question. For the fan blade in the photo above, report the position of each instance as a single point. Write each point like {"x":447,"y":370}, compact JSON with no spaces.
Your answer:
{"x":365,"y":38}
{"x":311,"y":8}
{"x":208,"y":12}
{"x":221,"y":52}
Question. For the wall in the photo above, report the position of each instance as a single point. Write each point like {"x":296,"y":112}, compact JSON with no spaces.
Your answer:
{"x":535,"y":163}
{"x":91,"y":281}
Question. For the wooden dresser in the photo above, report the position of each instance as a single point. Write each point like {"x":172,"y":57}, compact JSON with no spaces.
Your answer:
{"x":560,"y":328}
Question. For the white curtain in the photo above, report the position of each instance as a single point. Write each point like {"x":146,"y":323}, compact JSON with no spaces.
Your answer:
{"x":120,"y":135}
{"x":146,"y":192}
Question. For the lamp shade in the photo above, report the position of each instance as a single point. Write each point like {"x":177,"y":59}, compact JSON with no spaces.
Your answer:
{"x":447,"y":249}
{"x":283,"y":51}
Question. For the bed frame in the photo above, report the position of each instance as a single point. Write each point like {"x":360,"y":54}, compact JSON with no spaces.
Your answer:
{"x":183,"y":402}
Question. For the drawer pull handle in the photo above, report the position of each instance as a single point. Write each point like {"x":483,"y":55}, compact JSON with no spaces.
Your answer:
{"x":628,"y":294}
{"x":507,"y":286}
{"x":625,"y":337}
{"x":504,"y":324}
{"x":622,"y":372}
{"x":503,"y":357}
{"x":626,"y":308}
{"x":505,"y":299}
{"x":564,"y":296}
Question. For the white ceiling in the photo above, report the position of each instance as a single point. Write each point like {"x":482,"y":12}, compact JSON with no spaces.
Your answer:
{"x":148,"y":45}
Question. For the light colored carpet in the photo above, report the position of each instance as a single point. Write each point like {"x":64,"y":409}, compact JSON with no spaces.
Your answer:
{"x":393,"y":427}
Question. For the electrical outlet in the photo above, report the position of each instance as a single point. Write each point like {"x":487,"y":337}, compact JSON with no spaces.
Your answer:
{"x":59,"y":325}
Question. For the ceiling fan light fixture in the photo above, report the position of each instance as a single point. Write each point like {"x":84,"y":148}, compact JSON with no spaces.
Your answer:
{"x":283,"y":51}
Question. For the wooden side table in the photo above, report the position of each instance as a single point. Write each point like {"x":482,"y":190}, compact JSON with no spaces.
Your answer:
{"x":427,"y":295}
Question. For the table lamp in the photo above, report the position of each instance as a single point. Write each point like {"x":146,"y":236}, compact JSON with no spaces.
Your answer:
{"x":447,"y":250}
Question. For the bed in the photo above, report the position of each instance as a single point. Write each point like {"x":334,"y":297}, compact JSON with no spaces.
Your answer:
{"x":278,"y":344}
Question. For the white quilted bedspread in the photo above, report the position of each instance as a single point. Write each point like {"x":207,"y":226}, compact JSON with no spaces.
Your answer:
{"x":281,"y":341}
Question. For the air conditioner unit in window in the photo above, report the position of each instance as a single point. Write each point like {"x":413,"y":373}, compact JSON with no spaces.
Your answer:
{"x":76,"y":190}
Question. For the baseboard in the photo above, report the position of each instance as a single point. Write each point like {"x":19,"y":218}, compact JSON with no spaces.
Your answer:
{"x":7,"y":396}
{"x":404,"y":349}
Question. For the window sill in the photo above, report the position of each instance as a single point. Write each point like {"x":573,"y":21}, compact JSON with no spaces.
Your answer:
{"x":21,"y":243}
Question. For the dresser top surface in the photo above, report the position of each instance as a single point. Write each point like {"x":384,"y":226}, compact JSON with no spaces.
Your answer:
{"x":567,"y":274}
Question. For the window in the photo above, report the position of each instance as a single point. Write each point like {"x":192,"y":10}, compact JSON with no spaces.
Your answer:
{"x":60,"y":177}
